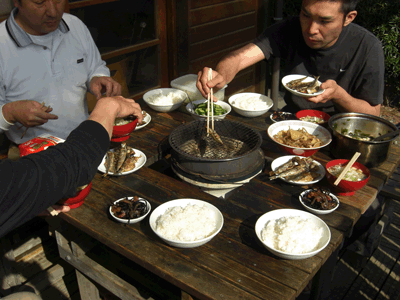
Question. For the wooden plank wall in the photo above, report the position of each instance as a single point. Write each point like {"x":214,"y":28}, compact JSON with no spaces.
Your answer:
{"x":207,"y":30}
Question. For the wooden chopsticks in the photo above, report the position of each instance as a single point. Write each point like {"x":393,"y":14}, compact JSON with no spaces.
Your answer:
{"x":347,"y":168}
{"x":209,"y":103}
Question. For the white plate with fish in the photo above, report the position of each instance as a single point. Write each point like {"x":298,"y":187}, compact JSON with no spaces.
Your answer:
{"x":307,"y":79}
{"x":145,"y":122}
{"x":309,"y":177}
{"x":138,"y":164}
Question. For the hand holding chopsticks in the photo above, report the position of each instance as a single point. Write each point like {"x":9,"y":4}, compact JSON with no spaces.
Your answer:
{"x":347,"y":168}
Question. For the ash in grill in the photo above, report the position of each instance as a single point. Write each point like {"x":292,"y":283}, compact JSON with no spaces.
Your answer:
{"x":191,"y":140}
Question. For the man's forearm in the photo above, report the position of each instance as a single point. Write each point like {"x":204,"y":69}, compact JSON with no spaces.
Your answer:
{"x":238,"y":60}
{"x":348,"y":103}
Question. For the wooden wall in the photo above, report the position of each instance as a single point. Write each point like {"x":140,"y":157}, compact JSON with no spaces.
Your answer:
{"x":207,"y":30}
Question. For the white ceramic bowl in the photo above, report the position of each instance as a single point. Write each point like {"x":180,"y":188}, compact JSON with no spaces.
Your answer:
{"x":135,"y":220}
{"x":224,"y":105}
{"x":235,"y":100}
{"x":181,"y":95}
{"x":160,"y":210}
{"x":318,"y":211}
{"x":289,"y":78}
{"x":279,"y":213}
{"x":319,"y":131}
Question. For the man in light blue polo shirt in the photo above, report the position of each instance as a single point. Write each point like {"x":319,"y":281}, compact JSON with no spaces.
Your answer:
{"x":47,"y":56}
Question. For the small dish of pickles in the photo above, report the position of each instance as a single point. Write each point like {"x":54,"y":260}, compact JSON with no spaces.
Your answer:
{"x":198,"y":109}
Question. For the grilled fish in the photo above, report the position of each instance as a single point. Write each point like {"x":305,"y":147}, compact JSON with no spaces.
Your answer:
{"x":286,"y":166}
{"x":109,"y":163}
{"x":295,"y":171}
{"x":310,"y":87}
{"x":293,"y":84}
{"x":315,"y":86}
{"x":120,"y":157}
{"x":129,"y":163}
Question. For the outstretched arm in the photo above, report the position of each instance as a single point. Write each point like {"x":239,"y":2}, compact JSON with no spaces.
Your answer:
{"x":228,"y":67}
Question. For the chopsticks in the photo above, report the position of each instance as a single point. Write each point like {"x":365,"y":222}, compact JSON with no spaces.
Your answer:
{"x":209,"y":103}
{"x":347,"y":168}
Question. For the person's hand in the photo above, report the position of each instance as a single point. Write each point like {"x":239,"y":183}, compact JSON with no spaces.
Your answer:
{"x":57,"y":208}
{"x":29,"y":113}
{"x":107,"y":85}
{"x":204,"y":85}
{"x":128,"y":107}
{"x":332,"y":89}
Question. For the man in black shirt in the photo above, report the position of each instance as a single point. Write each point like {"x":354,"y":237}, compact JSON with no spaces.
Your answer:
{"x":323,"y":42}
{"x":35,"y":182}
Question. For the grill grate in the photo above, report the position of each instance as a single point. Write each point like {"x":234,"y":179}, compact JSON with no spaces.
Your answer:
{"x":191,"y":140}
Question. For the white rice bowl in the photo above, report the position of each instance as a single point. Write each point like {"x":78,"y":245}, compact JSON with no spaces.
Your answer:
{"x":186,"y":223}
{"x":164,"y":99}
{"x":292,"y":233}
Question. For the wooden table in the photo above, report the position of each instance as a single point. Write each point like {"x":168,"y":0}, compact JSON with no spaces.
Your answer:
{"x":233,"y":265}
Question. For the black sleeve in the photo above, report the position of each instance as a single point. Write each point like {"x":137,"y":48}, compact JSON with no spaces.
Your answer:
{"x":279,"y":38}
{"x":34,"y":182}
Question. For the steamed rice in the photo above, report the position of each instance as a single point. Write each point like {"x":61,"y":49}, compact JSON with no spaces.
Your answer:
{"x":187,"y":224}
{"x":174,"y":97}
{"x":251,"y":103}
{"x":294,"y":235}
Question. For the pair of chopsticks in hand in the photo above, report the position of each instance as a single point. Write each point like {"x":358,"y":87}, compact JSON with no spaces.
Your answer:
{"x":42,"y":107}
{"x":347,"y":168}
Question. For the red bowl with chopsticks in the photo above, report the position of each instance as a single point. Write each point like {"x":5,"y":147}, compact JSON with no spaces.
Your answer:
{"x":78,"y":199}
{"x":121,"y":132}
{"x":346,"y":187}
{"x":313,"y":116}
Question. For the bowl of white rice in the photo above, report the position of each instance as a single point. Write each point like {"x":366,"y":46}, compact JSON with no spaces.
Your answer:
{"x":250,"y":104}
{"x":186,"y":223}
{"x":292,"y":233}
{"x":165,"y":99}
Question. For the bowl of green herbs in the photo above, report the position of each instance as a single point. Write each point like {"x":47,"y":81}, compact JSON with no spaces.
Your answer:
{"x":198,"y":109}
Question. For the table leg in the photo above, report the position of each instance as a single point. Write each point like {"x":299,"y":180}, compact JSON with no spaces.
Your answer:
{"x":322,"y":280}
{"x":87,"y":289}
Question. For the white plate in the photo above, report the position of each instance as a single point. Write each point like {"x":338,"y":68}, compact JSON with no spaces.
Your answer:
{"x":283,"y":159}
{"x":140,"y":163}
{"x":289,"y":78}
{"x":147,"y":119}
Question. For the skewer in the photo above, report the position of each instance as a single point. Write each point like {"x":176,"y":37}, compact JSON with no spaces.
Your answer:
{"x":349,"y":165}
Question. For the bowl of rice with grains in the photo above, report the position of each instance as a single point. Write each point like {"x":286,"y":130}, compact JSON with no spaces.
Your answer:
{"x":186,"y":223}
{"x":292,"y":233}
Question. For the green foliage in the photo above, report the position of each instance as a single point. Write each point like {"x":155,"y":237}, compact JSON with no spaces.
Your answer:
{"x":382,"y":18}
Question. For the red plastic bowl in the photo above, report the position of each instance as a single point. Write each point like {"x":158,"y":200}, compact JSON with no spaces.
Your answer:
{"x":345,"y":187}
{"x":313,"y":113}
{"x":121,"y":132}
{"x":78,"y":199}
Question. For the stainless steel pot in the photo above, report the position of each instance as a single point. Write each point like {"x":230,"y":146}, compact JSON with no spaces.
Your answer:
{"x":373,"y":153}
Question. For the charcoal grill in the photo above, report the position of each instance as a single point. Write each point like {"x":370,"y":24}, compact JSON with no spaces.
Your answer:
{"x":198,"y":154}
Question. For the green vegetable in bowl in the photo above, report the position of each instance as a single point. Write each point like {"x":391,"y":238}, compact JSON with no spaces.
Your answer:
{"x":201,"y":109}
